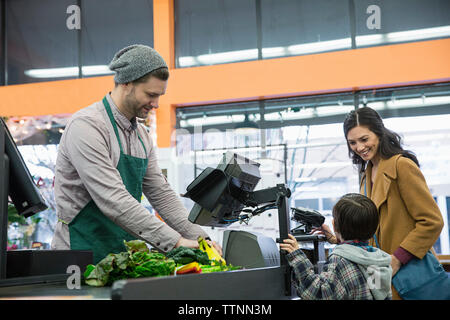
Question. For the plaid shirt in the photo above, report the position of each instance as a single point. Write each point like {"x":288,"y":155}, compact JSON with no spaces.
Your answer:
{"x":340,"y":279}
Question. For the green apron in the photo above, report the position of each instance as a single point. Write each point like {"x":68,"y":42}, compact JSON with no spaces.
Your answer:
{"x":91,"y":229}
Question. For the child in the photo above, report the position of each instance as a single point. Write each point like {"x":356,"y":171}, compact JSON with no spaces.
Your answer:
{"x":354,"y":269}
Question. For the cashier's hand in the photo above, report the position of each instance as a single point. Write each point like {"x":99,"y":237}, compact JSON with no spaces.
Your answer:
{"x":183,"y":242}
{"x":194,"y":244}
{"x":290,"y":244}
{"x":216,"y":246}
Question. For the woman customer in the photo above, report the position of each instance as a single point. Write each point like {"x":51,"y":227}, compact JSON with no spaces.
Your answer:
{"x":410,"y":220}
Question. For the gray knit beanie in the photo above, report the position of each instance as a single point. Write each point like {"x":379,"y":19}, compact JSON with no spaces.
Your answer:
{"x":135,"y":61}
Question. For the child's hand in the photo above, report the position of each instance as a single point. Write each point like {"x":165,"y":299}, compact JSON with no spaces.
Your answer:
{"x":290,"y":244}
{"x":326,"y":231}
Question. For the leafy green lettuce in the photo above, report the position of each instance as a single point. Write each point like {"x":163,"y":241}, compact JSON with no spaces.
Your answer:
{"x":184,"y":255}
{"x":136,"y":262}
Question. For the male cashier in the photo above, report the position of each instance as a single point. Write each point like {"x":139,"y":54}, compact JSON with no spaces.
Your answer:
{"x":106,"y":161}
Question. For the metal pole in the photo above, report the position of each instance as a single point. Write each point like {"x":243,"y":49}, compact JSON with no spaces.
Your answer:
{"x":352,"y":18}
{"x":285,"y":227}
{"x":195,"y":164}
{"x":4,"y":181}
{"x":258,"y":28}
{"x":3,"y":37}
{"x":285,"y":164}
{"x":80,"y":51}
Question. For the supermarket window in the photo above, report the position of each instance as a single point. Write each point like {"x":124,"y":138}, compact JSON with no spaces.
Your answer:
{"x":437,"y":245}
{"x":445,"y":234}
{"x":214,"y":31}
{"x":400,"y":21}
{"x":40,"y":46}
{"x":104,"y":32}
{"x":2,"y":41}
{"x":303,"y":27}
{"x":442,"y":244}
{"x":447,"y":199}
{"x":328,"y":203}
{"x":308,"y":203}
{"x":64,"y":39}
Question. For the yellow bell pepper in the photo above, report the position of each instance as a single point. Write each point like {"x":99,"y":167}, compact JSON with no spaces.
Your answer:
{"x":192,"y":267}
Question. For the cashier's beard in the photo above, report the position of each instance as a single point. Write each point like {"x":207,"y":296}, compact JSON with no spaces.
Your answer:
{"x":134,"y":107}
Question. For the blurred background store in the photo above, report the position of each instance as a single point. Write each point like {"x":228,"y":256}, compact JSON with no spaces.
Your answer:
{"x":270,"y":79}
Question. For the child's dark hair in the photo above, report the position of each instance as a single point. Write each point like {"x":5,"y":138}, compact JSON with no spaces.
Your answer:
{"x":355,"y":217}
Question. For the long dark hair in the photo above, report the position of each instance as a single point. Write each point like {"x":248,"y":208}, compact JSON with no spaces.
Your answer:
{"x":390,"y":142}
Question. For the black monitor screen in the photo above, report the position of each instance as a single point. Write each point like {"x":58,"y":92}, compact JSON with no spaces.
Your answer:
{"x":22,"y":190}
{"x":214,"y":190}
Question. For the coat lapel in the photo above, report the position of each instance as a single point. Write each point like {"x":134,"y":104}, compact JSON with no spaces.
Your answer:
{"x":386,"y":173}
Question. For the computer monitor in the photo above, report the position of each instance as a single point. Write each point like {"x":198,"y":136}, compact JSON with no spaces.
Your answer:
{"x":250,"y":249}
{"x":21,"y":188}
{"x":216,"y":191}
{"x":15,"y":181}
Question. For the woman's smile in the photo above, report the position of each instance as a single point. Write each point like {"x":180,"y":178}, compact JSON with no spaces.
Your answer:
{"x":365,"y":153}
{"x":363,"y":142}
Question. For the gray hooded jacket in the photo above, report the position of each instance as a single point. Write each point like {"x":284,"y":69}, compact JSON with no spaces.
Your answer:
{"x":375,"y":267}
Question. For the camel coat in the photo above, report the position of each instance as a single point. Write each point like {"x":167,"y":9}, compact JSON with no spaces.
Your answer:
{"x":409,"y":216}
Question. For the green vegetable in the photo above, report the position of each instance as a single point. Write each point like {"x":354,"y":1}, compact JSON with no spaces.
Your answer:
{"x":98,"y":275}
{"x":136,"y":246}
{"x":139,"y":261}
{"x":209,"y":269}
{"x":184,"y":255}
{"x":136,"y":262}
{"x":154,"y":268}
{"x":140,"y":257}
{"x":218,"y":267}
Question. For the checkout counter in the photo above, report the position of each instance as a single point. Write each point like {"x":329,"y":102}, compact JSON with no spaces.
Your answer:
{"x":262,"y":279}
{"x":221,"y":196}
